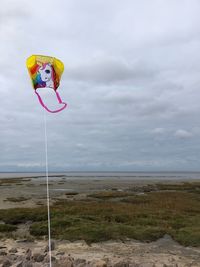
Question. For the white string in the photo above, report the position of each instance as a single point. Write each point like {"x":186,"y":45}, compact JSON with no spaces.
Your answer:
{"x":47,"y":180}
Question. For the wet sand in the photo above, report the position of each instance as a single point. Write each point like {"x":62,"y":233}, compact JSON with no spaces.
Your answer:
{"x":34,"y":189}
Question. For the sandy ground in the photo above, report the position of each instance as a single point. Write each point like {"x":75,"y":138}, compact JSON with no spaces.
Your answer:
{"x":162,"y":253}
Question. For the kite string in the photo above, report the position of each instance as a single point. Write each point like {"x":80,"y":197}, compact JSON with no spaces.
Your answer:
{"x":47,"y":181}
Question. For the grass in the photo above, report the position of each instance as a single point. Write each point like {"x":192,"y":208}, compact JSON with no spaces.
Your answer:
{"x":71,"y":193}
{"x":10,"y":181}
{"x":186,"y":186}
{"x":7,"y":228}
{"x":109,"y":194}
{"x":145,"y":217}
{"x":16,"y":199}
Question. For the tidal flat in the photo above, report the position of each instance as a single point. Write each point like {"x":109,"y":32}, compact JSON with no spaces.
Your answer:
{"x":101,"y":210}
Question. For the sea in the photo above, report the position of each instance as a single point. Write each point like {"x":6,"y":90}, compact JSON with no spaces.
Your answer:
{"x":109,"y":175}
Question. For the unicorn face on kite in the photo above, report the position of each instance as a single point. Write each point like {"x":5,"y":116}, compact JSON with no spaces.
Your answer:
{"x":45,"y":76}
{"x":45,"y":73}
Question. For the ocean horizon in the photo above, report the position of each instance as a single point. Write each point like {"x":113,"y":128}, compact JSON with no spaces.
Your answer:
{"x":161,"y":175}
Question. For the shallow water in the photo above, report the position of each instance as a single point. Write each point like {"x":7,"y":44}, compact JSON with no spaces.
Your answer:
{"x":108,"y":175}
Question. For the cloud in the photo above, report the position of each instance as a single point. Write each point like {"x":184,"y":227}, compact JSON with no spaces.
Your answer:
{"x":158,"y":131}
{"x":131,"y":82}
{"x":108,"y":70}
{"x":183,"y":134}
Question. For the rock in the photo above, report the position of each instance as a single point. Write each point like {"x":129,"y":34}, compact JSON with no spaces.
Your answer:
{"x":53,"y":258}
{"x":7,"y":263}
{"x":38,"y":257}
{"x":80,"y":263}
{"x":121,"y":264}
{"x":3,"y":253}
{"x":100,"y":263}
{"x":22,"y":241}
{"x":147,"y":265}
{"x":60,"y":253}
{"x":27,"y":264}
{"x":170,"y":265}
{"x":28,"y":254}
{"x":13,"y":250}
{"x":66,"y":262}
{"x":12,"y":257}
{"x":46,"y":259}
{"x":52,"y":246}
{"x":18,"y":264}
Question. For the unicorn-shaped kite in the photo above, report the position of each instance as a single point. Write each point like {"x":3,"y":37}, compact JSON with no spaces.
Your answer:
{"x":45,"y":73}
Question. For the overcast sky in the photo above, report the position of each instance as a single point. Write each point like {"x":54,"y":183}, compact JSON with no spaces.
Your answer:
{"x":131,"y":81}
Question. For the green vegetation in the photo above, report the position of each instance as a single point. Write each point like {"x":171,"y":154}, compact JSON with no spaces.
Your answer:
{"x":144,"y":217}
{"x":7,"y":228}
{"x":186,"y":186}
{"x":110,"y":194}
{"x":10,"y":181}
{"x":71,"y":193}
{"x":16,"y":199}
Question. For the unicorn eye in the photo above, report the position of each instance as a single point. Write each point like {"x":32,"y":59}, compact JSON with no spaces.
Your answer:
{"x":47,"y":71}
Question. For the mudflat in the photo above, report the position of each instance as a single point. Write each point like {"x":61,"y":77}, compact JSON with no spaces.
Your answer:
{"x":102,"y":221}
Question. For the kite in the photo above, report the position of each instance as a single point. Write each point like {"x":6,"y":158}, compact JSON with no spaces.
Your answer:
{"x":45,"y":73}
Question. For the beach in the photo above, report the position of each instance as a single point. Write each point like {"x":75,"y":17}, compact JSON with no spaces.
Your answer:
{"x":100,"y":202}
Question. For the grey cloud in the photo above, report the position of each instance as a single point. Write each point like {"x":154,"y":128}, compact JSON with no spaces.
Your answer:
{"x":131,"y":82}
{"x":108,"y":71}
{"x":12,"y":10}
{"x":158,"y":131}
{"x":183,"y":134}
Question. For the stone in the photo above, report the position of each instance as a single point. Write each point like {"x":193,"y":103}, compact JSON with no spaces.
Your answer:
{"x":13,"y":250}
{"x":66,"y":262}
{"x":27,"y":264}
{"x":60,"y":253}
{"x":79,"y":261}
{"x":170,"y":265}
{"x":22,"y":241}
{"x":52,"y":246}
{"x":132,"y":264}
{"x":3,"y":253}
{"x":7,"y":263}
{"x":121,"y":264}
{"x":99,"y":263}
{"x":147,"y":265}
{"x":38,"y":257}
{"x":28,"y":254}
{"x":18,"y":264}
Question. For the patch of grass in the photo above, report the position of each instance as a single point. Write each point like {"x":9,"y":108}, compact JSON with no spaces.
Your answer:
{"x":144,"y":217}
{"x":188,"y":236}
{"x":9,"y":181}
{"x":7,"y":228}
{"x":193,"y":187}
{"x":22,"y":215}
{"x":141,"y":199}
{"x":110,"y":194}
{"x":71,"y":193}
{"x":16,"y":199}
